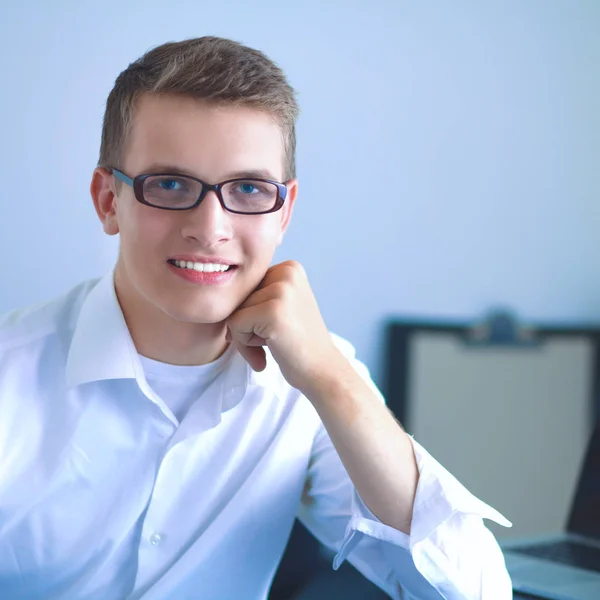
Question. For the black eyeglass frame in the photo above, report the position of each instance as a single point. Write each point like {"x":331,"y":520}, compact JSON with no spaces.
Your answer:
{"x":137,"y":183}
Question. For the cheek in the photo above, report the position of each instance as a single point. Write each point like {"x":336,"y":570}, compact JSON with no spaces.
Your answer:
{"x":142,"y":228}
{"x":261,"y":240}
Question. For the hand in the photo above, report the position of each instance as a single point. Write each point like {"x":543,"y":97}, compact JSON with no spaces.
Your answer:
{"x":282,"y":313}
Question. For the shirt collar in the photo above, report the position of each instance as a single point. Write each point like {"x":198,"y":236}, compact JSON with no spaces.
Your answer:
{"x":102,"y":348}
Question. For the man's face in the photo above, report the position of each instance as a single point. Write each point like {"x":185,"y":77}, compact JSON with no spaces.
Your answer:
{"x":213,"y":144}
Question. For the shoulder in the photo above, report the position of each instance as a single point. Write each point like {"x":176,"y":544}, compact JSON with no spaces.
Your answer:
{"x":33,"y":324}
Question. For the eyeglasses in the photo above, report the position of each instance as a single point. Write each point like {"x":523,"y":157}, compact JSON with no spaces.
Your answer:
{"x":171,"y":191}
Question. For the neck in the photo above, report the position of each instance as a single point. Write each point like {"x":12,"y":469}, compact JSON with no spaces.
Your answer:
{"x":166,"y":339}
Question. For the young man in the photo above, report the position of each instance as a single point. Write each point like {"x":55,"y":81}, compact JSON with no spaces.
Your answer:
{"x":162,"y":427}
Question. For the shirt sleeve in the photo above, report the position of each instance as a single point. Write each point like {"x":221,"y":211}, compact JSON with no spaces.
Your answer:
{"x":450,"y":554}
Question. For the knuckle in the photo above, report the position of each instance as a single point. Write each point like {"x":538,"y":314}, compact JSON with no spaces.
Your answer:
{"x":289,"y":267}
{"x":281,"y":290}
{"x":296,"y":268}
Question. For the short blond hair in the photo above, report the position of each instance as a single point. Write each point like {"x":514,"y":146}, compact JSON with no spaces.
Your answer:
{"x":208,"y":68}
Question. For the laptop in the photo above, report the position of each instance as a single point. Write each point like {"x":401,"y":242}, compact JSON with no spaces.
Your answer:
{"x":565,"y":566}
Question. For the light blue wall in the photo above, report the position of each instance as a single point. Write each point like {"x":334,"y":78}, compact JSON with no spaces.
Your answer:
{"x":449,"y":152}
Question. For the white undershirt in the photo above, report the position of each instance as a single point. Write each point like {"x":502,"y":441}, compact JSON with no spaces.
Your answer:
{"x":180,"y":386}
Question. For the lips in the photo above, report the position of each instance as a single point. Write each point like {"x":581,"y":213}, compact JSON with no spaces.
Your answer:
{"x":201,"y":267}
{"x":202,"y":272}
{"x":199,"y":258}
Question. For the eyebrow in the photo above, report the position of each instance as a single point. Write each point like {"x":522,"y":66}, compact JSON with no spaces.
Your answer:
{"x":247,"y":174}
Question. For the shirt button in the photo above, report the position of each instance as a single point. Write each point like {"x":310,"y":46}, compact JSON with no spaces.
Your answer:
{"x":155,"y":539}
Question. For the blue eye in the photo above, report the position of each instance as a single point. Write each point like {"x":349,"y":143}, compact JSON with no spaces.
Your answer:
{"x":169,"y":184}
{"x":247,"y":188}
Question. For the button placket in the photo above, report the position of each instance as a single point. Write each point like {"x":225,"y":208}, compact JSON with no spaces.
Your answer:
{"x":153,"y":531}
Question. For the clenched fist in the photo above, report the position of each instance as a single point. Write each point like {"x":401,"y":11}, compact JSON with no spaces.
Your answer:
{"x":282,"y":313}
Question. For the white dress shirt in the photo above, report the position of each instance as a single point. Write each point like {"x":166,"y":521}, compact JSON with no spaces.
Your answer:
{"x":105,"y":495}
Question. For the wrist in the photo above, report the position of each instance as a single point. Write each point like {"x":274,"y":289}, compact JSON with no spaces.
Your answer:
{"x":334,"y":377}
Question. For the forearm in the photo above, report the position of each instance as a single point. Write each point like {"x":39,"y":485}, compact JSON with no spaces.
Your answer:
{"x":374,"y":449}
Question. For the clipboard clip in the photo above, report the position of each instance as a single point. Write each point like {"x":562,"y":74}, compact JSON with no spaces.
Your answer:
{"x":501,"y":328}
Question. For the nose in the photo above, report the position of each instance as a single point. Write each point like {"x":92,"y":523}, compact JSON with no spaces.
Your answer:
{"x":208,"y":223}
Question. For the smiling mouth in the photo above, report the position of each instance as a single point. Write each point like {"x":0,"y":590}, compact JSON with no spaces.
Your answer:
{"x":202,"y":267}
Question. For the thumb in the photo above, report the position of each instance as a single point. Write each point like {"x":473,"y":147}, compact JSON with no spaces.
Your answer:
{"x":255,"y":356}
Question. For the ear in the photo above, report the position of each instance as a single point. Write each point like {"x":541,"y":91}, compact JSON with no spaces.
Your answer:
{"x":104,"y":195}
{"x":288,"y":207}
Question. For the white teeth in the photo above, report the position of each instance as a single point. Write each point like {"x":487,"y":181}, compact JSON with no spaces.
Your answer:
{"x":201,"y":267}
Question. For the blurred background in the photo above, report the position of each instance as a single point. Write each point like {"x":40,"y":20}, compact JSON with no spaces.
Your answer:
{"x":448,"y":152}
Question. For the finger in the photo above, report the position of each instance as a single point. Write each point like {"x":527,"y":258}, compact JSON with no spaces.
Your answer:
{"x":258,"y":321}
{"x":258,"y":296}
{"x":276,"y":281}
{"x":255,"y":356}
{"x":244,"y":340}
{"x":285,"y":270}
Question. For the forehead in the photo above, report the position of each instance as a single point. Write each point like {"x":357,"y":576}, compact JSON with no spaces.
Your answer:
{"x":206,"y":139}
